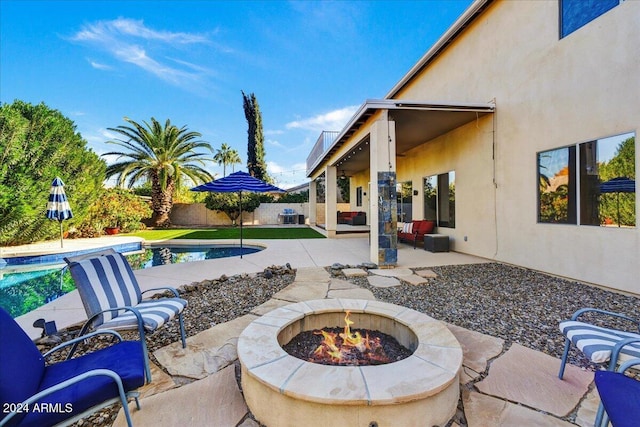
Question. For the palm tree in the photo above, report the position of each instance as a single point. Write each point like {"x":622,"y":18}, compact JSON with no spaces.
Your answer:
{"x":165,"y":156}
{"x":226,"y":156}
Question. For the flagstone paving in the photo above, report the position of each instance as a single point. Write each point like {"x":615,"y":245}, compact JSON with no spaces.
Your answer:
{"x":354,"y":272}
{"x":427,"y":274}
{"x":537,"y":383}
{"x":212,"y":401}
{"x":520,"y":386}
{"x":482,"y":411}
{"x":414,"y":279}
{"x":392,"y":272}
{"x":383,"y":282}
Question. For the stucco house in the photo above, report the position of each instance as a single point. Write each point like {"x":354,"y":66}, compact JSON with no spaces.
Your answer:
{"x":503,"y":132}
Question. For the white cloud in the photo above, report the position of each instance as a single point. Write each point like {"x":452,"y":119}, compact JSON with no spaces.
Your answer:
{"x":121,"y":38}
{"x":333,"y":120}
{"x":99,"y":66}
{"x":274,"y":143}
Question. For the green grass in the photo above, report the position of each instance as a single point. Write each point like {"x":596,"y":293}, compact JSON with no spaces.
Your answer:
{"x":229,"y":233}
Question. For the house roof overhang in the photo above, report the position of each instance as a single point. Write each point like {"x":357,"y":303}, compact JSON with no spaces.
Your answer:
{"x":416,"y":122}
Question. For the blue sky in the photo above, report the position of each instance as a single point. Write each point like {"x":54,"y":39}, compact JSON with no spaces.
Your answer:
{"x":310,"y":64}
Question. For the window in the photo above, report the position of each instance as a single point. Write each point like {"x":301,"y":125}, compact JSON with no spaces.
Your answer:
{"x":440,"y":199}
{"x":359,"y":196}
{"x":577,"y":13}
{"x":405,"y":201}
{"x":574,"y":183}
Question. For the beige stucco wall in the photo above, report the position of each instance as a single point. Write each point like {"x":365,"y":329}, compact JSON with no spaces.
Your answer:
{"x":196,"y":214}
{"x":549,"y":93}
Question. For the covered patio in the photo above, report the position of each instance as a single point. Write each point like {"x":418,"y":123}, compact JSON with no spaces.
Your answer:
{"x":375,"y":151}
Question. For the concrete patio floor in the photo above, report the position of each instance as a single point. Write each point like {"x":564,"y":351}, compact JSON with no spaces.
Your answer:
{"x":500,"y":386}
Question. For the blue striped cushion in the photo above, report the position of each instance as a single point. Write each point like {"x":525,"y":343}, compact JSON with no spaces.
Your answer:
{"x":104,"y":282}
{"x":155,"y":313}
{"x":596,"y":342}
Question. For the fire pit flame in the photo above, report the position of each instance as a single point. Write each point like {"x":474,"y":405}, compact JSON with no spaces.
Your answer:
{"x":349,"y":347}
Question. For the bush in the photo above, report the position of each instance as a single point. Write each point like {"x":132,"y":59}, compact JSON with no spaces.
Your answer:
{"x":116,"y":207}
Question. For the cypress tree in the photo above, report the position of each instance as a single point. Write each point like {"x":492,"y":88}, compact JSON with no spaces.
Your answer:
{"x":256,"y":165}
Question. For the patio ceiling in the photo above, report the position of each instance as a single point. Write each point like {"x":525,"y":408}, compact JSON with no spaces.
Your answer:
{"x":416,"y":123}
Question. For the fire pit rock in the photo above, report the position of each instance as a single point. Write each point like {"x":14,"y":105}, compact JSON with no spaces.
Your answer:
{"x":281,"y":390}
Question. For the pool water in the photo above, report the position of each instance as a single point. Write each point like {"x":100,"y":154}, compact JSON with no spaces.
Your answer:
{"x":26,"y":290}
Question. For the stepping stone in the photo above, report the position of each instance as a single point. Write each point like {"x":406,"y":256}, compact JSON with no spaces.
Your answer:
{"x":481,"y":410}
{"x":358,"y":293}
{"x":207,"y":352}
{"x":354,"y":272}
{"x":302,"y":291}
{"x":383,"y":282}
{"x":531,"y":378}
{"x":427,"y":274}
{"x":268,"y":306}
{"x":339,"y":284}
{"x":213,"y":401}
{"x":477,"y":348}
{"x":160,"y":382}
{"x":392,"y":272}
{"x":414,"y":279}
{"x":312,"y":274}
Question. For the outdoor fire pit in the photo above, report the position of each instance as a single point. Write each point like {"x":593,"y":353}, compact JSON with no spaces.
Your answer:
{"x":282,"y":390}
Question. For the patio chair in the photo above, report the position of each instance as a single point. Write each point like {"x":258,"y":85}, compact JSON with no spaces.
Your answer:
{"x":620,"y":397}
{"x":112,"y":298}
{"x":33,"y":393}
{"x":598,"y":343}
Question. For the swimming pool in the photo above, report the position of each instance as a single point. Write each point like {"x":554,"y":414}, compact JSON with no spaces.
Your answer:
{"x":23,"y":289}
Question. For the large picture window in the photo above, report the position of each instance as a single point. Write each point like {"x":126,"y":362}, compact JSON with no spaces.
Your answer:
{"x":578,"y":13}
{"x":404,"y":201}
{"x":440,"y":199}
{"x":592,"y":183}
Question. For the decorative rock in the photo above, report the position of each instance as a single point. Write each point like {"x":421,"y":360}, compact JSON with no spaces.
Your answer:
{"x":383,"y":282}
{"x":337,"y":266}
{"x":368,"y":265}
{"x":267,"y":273}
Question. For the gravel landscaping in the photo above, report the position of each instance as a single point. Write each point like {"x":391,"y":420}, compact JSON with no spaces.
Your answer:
{"x":515,"y":304}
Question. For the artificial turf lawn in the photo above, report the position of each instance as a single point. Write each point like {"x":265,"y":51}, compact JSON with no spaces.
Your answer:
{"x":229,"y":233}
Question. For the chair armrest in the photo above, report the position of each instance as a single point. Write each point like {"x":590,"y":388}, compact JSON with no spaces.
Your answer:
{"x":615,"y":351}
{"x":67,"y":383}
{"x":89,"y":321}
{"x":609,"y":313}
{"x":82,"y":338}
{"x":629,"y":363}
{"x":166,"y":288}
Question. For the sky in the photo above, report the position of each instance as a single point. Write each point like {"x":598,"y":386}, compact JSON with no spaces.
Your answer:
{"x":310,"y":64}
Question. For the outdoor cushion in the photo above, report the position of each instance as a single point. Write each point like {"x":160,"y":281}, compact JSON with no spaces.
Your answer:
{"x":106,"y":282}
{"x":155,"y":313}
{"x":125,"y":359}
{"x":407,"y":227}
{"x":620,"y":396}
{"x":597,"y":342}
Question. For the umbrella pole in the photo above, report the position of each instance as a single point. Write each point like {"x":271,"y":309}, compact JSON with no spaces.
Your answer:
{"x":61,"y":234}
{"x":240,"y":224}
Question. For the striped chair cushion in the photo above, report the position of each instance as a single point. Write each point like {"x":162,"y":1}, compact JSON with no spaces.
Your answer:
{"x":105,"y":282}
{"x":597,"y":342}
{"x":155,"y":313}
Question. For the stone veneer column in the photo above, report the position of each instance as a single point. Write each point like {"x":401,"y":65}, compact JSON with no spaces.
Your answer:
{"x":313,"y":202}
{"x":382,"y":200}
{"x":331,"y":200}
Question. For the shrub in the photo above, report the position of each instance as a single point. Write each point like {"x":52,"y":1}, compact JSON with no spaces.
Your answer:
{"x":117,"y":207}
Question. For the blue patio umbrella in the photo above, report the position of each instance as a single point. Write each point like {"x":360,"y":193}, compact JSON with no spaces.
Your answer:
{"x":238,"y":182}
{"x":618,"y":185}
{"x":58,"y":206}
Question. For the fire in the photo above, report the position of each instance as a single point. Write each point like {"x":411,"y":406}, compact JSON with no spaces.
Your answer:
{"x":348,"y":347}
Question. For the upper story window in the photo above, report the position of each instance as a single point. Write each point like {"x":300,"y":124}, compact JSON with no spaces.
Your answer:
{"x":591,"y":183}
{"x":577,"y":13}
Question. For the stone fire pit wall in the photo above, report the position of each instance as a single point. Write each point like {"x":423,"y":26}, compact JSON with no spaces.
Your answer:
{"x":281,"y":390}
